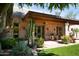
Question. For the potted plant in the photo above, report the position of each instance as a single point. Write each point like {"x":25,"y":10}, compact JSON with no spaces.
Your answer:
{"x":39,"y":42}
{"x":65,"y":39}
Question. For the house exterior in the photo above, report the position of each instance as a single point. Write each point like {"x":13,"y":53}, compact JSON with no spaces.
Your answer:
{"x":46,"y":25}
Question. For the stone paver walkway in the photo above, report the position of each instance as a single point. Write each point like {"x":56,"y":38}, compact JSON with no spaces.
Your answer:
{"x":55,"y":44}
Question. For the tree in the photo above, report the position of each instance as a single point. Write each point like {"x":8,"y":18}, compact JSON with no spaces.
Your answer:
{"x":71,"y":15}
{"x":57,"y":13}
{"x":50,"y":6}
{"x":6,"y":11}
{"x":76,"y":31}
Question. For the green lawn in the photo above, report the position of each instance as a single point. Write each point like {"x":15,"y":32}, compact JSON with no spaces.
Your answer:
{"x":72,"y":50}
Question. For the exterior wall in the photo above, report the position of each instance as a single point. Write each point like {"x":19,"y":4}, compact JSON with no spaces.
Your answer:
{"x":76,"y":35}
{"x":22,"y":31}
{"x":50,"y":26}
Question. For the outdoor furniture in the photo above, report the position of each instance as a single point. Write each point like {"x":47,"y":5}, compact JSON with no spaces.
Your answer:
{"x":52,"y":37}
{"x":56,"y":37}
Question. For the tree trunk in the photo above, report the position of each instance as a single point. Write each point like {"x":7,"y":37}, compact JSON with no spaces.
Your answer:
{"x":4,"y":14}
{"x":4,"y":20}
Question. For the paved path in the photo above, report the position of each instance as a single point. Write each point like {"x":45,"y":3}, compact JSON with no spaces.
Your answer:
{"x":54,"y":44}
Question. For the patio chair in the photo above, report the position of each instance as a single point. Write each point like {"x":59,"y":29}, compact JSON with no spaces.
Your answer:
{"x":52,"y":37}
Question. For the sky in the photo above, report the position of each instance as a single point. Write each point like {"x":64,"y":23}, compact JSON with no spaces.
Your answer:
{"x":25,"y":9}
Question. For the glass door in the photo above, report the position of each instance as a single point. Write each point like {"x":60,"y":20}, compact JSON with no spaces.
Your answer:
{"x":39,"y":31}
{"x":59,"y":31}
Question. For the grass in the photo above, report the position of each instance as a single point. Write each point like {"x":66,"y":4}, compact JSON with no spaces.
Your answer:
{"x":72,"y":50}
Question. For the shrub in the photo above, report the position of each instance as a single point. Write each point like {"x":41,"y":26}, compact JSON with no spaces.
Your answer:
{"x":39,"y":42}
{"x":15,"y":29}
{"x":65,"y":39}
{"x":8,"y":43}
{"x":21,"y":49}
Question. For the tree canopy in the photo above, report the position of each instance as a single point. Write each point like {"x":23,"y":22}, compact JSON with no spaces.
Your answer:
{"x":50,"y":6}
{"x":71,"y":15}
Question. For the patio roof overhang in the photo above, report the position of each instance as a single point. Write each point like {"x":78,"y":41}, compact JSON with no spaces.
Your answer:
{"x":42,"y":16}
{"x":73,"y":22}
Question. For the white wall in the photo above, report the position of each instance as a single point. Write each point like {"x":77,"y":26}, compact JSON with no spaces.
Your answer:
{"x":74,"y":27}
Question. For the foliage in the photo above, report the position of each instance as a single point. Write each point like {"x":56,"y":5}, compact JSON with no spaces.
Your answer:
{"x":21,"y":49}
{"x":61,"y":6}
{"x":39,"y":42}
{"x":5,"y":13}
{"x":76,"y":30}
{"x":4,"y":7}
{"x":61,"y":51}
{"x":50,"y":6}
{"x":57,"y":13}
{"x":3,"y":34}
{"x":1,"y":24}
{"x":15,"y":27}
{"x":65,"y":39}
{"x":8,"y":43}
{"x":71,"y":15}
{"x":0,"y":47}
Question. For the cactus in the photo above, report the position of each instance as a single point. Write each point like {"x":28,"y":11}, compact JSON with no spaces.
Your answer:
{"x":30,"y":29}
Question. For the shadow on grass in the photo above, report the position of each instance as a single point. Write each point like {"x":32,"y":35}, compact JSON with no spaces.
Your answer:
{"x":47,"y":54}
